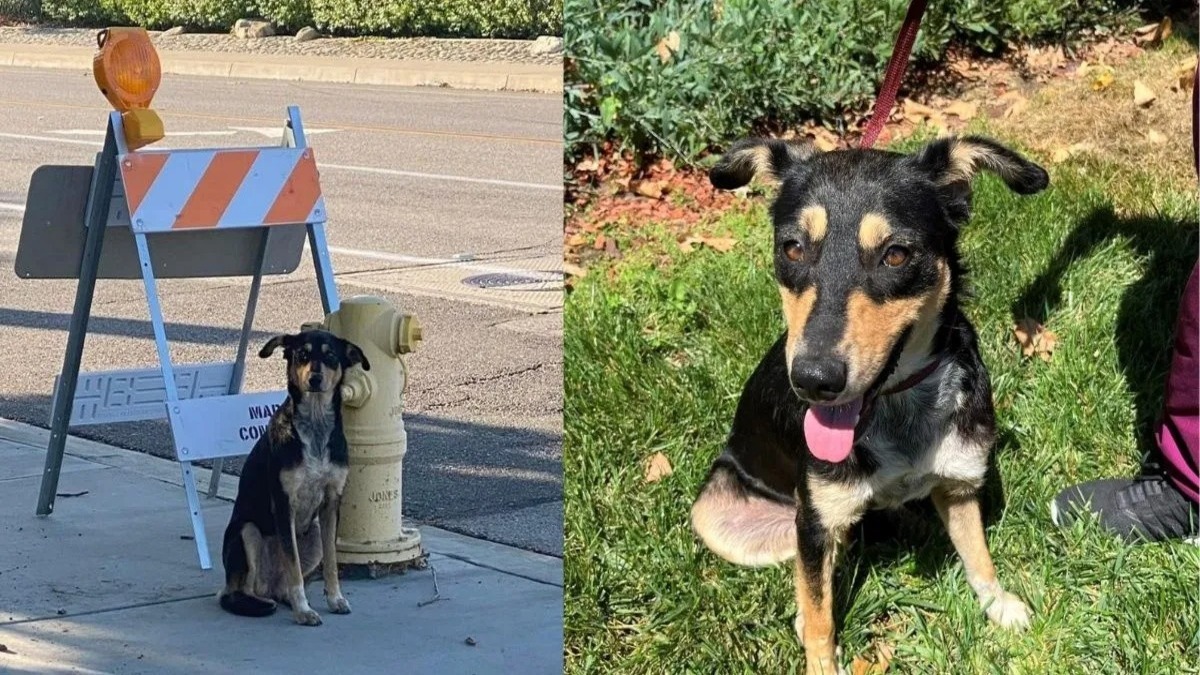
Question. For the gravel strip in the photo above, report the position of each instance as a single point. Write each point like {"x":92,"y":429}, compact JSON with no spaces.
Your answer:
{"x":408,"y":49}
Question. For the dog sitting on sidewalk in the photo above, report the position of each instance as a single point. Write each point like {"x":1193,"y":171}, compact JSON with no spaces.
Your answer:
{"x":284,"y":520}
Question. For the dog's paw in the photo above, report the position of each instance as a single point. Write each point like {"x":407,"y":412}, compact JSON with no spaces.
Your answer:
{"x":798,"y":624}
{"x":307,"y":618}
{"x":824,"y":667}
{"x":1007,"y":611}
{"x":338,"y":605}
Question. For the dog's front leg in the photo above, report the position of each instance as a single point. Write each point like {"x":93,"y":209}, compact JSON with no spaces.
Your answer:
{"x":814,"y":597}
{"x":329,"y":566}
{"x":285,"y":524}
{"x":959,"y":509}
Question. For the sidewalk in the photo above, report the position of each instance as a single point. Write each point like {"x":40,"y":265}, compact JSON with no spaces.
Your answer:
{"x":493,"y":76}
{"x":108,"y":584}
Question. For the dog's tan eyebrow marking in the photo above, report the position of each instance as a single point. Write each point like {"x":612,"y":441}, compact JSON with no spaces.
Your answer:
{"x":873,"y":231}
{"x":814,"y":221}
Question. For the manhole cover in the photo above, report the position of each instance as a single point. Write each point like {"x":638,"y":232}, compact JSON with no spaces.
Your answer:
{"x":517,"y":281}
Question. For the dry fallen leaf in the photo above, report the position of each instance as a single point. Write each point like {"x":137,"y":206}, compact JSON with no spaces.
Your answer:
{"x":876,"y":666}
{"x":963,"y":110}
{"x":650,"y":188}
{"x":722,"y":244}
{"x":823,"y":139}
{"x":1143,"y":95}
{"x":1153,"y":33}
{"x":1035,"y":339}
{"x":1102,"y":77}
{"x":658,"y":467}
{"x":1155,"y":137}
{"x":600,"y":241}
{"x":918,"y":112}
{"x":588,"y":164}
{"x":1185,"y":74}
{"x":573,"y":270}
{"x":668,"y":46}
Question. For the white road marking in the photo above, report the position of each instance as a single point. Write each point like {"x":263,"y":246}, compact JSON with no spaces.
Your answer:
{"x":438,"y":176}
{"x":341,"y":167}
{"x":275,"y":132}
{"x":100,"y":133}
{"x":52,"y":139}
{"x":423,"y":261}
{"x":379,"y":255}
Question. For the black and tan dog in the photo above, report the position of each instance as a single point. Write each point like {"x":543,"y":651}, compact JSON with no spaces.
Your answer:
{"x":284,"y":520}
{"x":876,"y":394}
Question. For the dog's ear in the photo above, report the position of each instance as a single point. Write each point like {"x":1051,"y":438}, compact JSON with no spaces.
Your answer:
{"x":274,"y":343}
{"x":953,"y":162}
{"x":354,"y":355}
{"x":767,"y":159}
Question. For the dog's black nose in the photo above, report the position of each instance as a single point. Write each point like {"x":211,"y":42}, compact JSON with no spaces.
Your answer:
{"x":821,"y":380}
{"x":314,"y":382}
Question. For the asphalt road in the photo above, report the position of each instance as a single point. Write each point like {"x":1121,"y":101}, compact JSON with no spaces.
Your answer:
{"x":426,"y":189}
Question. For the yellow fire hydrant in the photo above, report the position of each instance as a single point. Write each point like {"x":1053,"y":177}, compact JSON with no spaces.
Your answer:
{"x":371,"y":527}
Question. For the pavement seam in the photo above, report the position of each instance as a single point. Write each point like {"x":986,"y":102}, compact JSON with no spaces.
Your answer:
{"x":105,"y":610}
{"x":476,"y":563}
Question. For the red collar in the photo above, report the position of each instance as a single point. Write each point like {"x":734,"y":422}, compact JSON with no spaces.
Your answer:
{"x":914,"y":379}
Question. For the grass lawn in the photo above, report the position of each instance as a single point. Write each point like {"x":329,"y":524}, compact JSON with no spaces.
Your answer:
{"x":659,"y":344}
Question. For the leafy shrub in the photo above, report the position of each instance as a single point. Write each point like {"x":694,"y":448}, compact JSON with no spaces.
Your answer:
{"x":216,"y":15}
{"x":83,"y":12}
{"x":292,"y":14}
{"x":482,"y":18}
{"x":464,"y":18}
{"x":741,"y":63}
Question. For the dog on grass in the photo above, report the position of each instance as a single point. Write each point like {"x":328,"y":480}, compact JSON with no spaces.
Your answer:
{"x":876,"y":393}
{"x":284,"y":521}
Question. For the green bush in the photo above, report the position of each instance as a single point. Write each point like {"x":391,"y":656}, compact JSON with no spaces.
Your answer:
{"x":83,"y":12}
{"x":741,"y":64}
{"x":290,"y":14}
{"x":482,"y":18}
{"x":459,"y":18}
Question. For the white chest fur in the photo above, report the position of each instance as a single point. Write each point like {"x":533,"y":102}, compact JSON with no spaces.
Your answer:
{"x":309,"y":484}
{"x":903,"y":477}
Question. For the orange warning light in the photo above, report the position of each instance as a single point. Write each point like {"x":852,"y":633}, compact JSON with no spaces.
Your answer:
{"x":128,"y":73}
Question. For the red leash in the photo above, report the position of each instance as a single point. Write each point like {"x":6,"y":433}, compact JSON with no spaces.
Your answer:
{"x":895,"y":71}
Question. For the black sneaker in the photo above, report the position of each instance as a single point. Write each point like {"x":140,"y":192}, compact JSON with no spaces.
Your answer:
{"x":1145,"y":508}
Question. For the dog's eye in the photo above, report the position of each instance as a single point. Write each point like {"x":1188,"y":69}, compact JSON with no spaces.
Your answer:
{"x":895,"y":256}
{"x":793,"y":250}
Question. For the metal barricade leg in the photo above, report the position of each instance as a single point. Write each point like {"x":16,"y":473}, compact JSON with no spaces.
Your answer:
{"x":172,"y":395}
{"x":239,"y":363}
{"x":60,"y":419}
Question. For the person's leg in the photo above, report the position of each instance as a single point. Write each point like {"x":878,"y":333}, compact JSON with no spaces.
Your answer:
{"x":1178,"y":433}
{"x":1162,"y":502}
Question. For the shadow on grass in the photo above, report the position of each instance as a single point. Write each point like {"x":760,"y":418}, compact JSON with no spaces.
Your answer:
{"x":1146,"y":317}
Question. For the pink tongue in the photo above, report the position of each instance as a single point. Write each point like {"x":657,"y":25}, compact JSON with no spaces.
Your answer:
{"x":829,"y":430}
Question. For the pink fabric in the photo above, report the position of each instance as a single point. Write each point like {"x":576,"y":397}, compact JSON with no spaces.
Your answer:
{"x":1178,"y":433}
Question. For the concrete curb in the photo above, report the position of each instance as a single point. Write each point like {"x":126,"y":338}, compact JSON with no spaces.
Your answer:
{"x":438,"y":542}
{"x":453,"y":74}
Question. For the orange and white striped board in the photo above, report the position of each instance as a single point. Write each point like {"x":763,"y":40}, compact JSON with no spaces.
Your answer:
{"x":251,"y":187}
